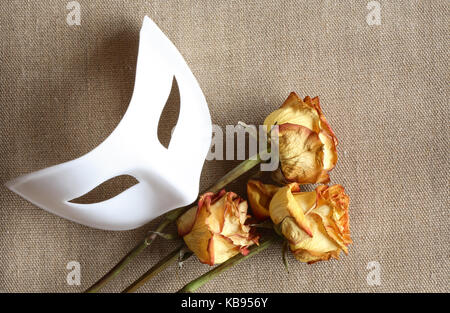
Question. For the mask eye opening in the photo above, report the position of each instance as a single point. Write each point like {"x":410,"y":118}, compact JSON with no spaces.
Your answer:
{"x":169,"y":116}
{"x":107,"y":190}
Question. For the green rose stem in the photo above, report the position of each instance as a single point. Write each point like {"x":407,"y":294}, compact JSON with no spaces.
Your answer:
{"x":172,"y":216}
{"x":200,"y":281}
{"x":173,"y":256}
{"x":155,"y":270}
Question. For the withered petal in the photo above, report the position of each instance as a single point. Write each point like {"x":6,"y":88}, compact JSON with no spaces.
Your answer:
{"x":186,"y":221}
{"x":216,"y":230}
{"x":259,"y":196}
{"x":301,"y":154}
{"x":283,"y":204}
{"x":328,"y":218}
{"x":307,"y":155}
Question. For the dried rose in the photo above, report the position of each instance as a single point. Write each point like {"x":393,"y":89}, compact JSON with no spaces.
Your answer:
{"x":215,"y":230}
{"x":315,"y":223}
{"x":259,"y":196}
{"x":307,"y":145}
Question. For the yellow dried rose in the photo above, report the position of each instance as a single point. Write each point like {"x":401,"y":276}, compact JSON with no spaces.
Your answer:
{"x":315,"y":223}
{"x":307,"y":145}
{"x":215,"y":230}
{"x":259,"y":196}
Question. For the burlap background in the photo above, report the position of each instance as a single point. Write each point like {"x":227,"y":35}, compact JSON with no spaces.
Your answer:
{"x":384,"y":89}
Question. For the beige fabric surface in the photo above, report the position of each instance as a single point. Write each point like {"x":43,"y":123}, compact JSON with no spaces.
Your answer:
{"x":384,"y":90}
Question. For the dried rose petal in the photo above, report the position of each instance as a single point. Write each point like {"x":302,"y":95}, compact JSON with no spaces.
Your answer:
{"x":215,"y":230}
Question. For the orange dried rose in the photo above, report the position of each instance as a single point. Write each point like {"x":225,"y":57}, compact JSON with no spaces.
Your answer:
{"x":307,"y":145}
{"x":215,"y":230}
{"x":259,"y":196}
{"x":315,"y":223}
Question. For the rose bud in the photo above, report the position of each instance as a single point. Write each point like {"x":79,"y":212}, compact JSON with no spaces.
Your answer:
{"x":215,"y":230}
{"x":307,"y":145}
{"x":259,"y":196}
{"x":315,"y":223}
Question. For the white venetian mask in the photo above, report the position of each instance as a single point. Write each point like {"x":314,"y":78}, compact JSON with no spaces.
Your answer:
{"x":168,"y":178}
